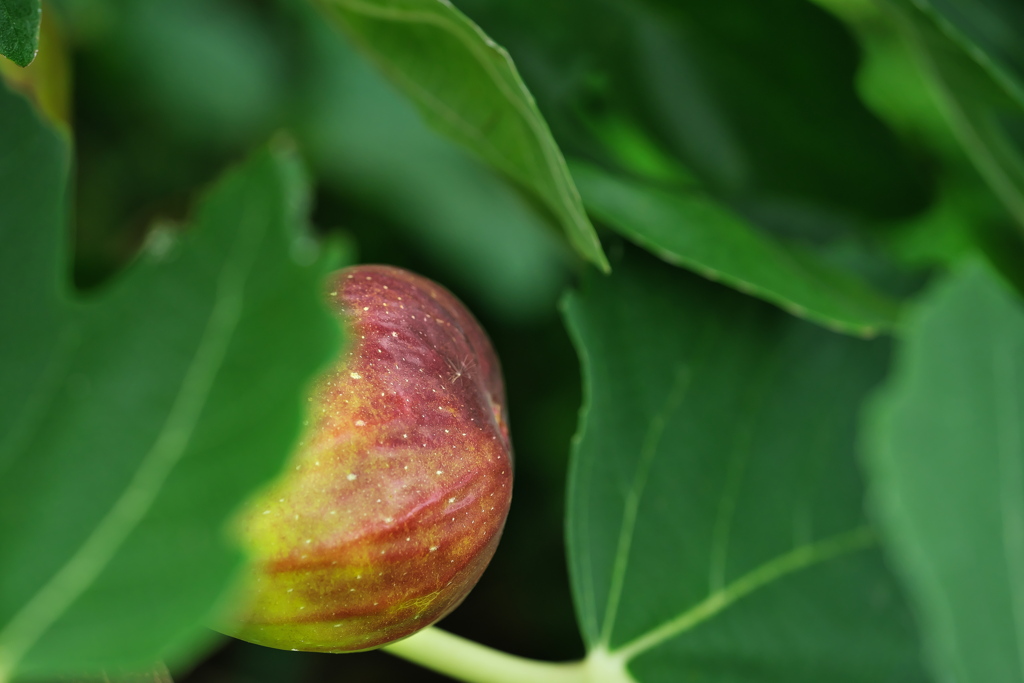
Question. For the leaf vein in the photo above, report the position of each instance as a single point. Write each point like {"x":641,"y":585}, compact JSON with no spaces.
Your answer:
{"x":69,"y":582}
{"x":739,"y":460}
{"x":798,"y":558}
{"x":648,"y":449}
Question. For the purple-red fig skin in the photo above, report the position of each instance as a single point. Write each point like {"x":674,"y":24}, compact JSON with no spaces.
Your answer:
{"x":394,"y":502}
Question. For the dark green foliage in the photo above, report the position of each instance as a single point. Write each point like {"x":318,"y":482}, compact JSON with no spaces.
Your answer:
{"x":993,"y":26}
{"x":756,"y":97}
{"x":984,"y":104}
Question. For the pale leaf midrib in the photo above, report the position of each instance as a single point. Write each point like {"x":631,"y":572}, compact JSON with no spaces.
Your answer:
{"x":81,"y":570}
{"x":740,"y":456}
{"x":648,"y":450}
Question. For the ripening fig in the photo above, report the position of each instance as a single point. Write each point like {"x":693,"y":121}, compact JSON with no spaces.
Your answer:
{"x":394,"y":501}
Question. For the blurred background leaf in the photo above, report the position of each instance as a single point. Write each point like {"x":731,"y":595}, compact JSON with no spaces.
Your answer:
{"x":946,"y":457}
{"x":376,"y":163}
{"x":137,"y":419}
{"x":768,"y":119}
{"x":992,"y":32}
{"x":986,"y":113}
{"x":937,"y":91}
{"x":716,"y":529}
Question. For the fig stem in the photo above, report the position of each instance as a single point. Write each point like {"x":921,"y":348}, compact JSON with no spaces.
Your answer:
{"x":471,"y":662}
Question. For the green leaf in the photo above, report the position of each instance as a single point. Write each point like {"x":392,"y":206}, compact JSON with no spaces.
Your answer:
{"x":715,"y":526}
{"x":134,"y":421}
{"x":467,"y":86}
{"x":19,"y":30}
{"x":695,"y":232}
{"x":987,"y":119}
{"x":992,"y":31}
{"x":946,"y":458}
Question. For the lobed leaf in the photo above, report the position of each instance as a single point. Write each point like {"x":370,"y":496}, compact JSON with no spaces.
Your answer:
{"x":946,"y":458}
{"x":466,"y":85}
{"x":135,"y":420}
{"x":695,"y":232}
{"x":715,"y":524}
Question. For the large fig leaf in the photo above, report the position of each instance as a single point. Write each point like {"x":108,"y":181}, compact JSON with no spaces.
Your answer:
{"x":466,"y":85}
{"x":946,"y":455}
{"x":134,"y":420}
{"x":715,"y":529}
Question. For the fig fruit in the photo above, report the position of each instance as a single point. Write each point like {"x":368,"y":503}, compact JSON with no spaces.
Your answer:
{"x":394,"y":501}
